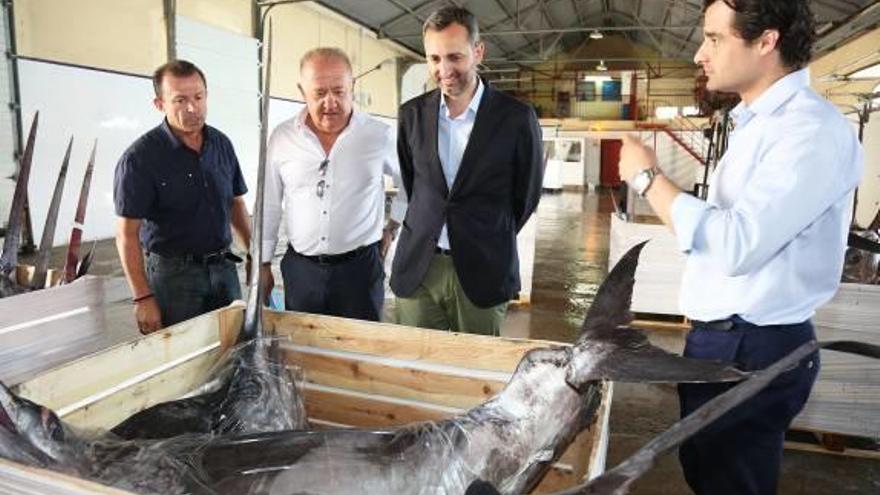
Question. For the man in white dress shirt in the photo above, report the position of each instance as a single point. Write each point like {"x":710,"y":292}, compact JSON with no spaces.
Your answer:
{"x":325,"y":170}
{"x":766,"y":248}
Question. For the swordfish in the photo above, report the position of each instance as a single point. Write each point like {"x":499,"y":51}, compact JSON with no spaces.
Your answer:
{"x":510,"y":441}
{"x":502,"y":446}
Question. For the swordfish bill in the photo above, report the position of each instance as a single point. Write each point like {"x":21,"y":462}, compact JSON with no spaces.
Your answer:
{"x":41,"y":267}
{"x":253,"y":316}
{"x":11,"y":243}
{"x":72,"y":260}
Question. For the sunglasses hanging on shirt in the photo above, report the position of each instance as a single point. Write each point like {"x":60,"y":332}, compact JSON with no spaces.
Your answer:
{"x":322,"y":172}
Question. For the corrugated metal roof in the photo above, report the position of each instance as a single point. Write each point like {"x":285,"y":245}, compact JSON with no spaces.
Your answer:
{"x":529,"y":30}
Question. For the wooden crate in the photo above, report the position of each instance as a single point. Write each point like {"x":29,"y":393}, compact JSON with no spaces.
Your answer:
{"x":357,"y":373}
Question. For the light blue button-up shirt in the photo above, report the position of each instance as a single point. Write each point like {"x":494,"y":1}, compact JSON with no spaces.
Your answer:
{"x":768,"y":244}
{"x":452,"y":139}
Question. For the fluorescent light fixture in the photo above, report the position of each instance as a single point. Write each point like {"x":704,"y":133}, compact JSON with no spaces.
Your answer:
{"x":601,"y":67}
{"x":597,"y":79}
{"x":596,"y":35}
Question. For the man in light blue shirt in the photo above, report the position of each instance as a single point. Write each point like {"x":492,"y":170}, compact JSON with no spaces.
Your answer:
{"x":767,"y":247}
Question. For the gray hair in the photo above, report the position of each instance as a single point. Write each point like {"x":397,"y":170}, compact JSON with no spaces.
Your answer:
{"x":325,"y":52}
{"x":447,"y":16}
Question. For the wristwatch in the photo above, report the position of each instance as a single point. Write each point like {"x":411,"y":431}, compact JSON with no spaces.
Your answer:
{"x":643,"y":180}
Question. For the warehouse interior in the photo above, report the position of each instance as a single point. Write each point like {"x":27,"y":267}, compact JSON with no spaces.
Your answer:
{"x":594,"y":71}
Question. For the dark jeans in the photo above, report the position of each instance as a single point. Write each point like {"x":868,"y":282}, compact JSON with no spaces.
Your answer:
{"x":741,"y":453}
{"x":353,"y":288}
{"x":185,"y":289}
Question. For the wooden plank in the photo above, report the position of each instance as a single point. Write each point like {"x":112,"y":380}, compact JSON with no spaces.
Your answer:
{"x":400,"y":342}
{"x":854,"y":308}
{"x":557,"y":479}
{"x":108,"y":410}
{"x":106,"y":370}
{"x":362,"y":411}
{"x":846,"y":452}
{"x":394,"y":381}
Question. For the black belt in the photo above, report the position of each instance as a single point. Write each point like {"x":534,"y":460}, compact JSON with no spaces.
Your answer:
{"x":334,"y":259}
{"x":445,"y":252}
{"x":725,"y":325}
{"x":202,"y":259}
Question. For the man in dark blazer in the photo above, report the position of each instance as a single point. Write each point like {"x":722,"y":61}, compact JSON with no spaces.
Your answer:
{"x":471,"y":163}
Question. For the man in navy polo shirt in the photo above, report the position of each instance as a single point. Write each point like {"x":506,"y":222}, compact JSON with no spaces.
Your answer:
{"x":177,"y":190}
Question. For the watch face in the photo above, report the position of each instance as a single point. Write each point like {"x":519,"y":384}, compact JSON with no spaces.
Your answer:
{"x":640,"y":182}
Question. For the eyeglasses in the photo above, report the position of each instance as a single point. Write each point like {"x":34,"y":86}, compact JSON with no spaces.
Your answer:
{"x":322,"y":171}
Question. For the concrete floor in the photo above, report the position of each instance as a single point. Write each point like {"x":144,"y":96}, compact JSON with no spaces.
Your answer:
{"x":571,"y":260}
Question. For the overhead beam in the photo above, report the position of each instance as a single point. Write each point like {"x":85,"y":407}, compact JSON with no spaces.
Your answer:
{"x":514,"y":32}
{"x":862,"y":20}
{"x":592,"y":59}
{"x":628,"y":18}
{"x":394,"y":20}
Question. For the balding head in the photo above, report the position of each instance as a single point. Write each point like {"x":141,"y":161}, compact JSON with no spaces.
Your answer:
{"x":327,"y":54}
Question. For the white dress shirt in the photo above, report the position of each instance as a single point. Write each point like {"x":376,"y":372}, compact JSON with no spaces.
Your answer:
{"x":768,"y":244}
{"x":351,"y":211}
{"x":452,"y":139}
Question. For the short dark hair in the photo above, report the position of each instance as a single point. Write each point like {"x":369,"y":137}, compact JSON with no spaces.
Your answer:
{"x":447,"y":16}
{"x":177,"y":68}
{"x":793,"y":19}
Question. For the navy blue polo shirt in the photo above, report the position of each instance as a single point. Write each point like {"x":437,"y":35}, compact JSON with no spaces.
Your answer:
{"x":183,"y":197}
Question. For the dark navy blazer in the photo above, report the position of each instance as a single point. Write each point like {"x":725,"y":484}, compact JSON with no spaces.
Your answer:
{"x":495,"y":191}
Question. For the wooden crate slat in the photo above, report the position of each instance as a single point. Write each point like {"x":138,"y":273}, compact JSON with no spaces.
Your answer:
{"x":99,"y":372}
{"x":469,"y":351}
{"x":172,"y":384}
{"x":401,"y":382}
{"x":556,"y":479}
{"x":365,"y":412}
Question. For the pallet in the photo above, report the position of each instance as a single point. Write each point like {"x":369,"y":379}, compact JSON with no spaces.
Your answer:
{"x":356,"y":374}
{"x":832,"y":444}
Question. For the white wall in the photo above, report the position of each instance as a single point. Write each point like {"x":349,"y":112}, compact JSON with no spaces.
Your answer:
{"x":869,"y":190}
{"x":414,"y":82}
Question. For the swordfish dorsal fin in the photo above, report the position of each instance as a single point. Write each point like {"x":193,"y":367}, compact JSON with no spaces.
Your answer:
{"x":253,"y":315}
{"x":607,"y":350}
{"x":12,"y":241}
{"x":41,"y":267}
{"x":610,"y":307}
